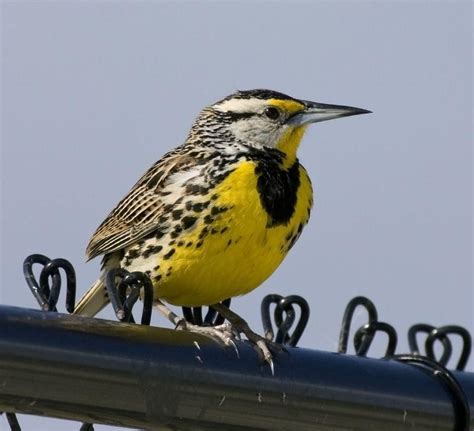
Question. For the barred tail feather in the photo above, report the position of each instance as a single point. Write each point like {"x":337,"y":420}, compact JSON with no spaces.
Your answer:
{"x":94,"y":300}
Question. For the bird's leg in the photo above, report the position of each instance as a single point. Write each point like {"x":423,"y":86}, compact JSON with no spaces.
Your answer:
{"x":241,"y":326}
{"x":222,"y":332}
{"x":176,"y":320}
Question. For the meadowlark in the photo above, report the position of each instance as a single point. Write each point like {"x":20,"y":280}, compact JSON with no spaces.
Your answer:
{"x":215,"y":217}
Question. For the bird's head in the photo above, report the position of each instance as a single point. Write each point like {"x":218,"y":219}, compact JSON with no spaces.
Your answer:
{"x":267,"y":119}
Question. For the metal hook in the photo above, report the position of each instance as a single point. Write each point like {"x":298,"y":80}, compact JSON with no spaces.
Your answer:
{"x":443,"y":333}
{"x":47,"y":296}
{"x":41,"y":293}
{"x":438,"y":371}
{"x":193,"y":315}
{"x":414,"y":330}
{"x":347,"y":320}
{"x":284,"y":316}
{"x":124,"y":295}
{"x":365,"y":335}
{"x":51,"y":269}
{"x":12,"y":421}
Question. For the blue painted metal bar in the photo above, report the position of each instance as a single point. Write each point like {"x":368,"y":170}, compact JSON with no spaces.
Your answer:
{"x":100,"y":371}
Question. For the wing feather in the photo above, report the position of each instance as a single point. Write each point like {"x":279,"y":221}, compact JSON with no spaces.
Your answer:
{"x":138,"y":213}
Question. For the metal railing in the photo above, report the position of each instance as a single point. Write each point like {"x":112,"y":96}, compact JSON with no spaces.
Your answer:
{"x":121,"y":373}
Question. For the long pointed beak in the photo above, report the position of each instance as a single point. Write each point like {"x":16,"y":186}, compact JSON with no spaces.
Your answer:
{"x":316,"y":112}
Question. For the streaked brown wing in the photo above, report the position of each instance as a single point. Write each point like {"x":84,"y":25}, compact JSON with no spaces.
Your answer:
{"x":137,"y":214}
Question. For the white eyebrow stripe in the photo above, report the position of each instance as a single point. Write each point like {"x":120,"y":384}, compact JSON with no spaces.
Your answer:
{"x":241,"y":105}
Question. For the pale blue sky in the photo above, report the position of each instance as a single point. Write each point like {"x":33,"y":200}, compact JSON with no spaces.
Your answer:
{"x":94,"y":92}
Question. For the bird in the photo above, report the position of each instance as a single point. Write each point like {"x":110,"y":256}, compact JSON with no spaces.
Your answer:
{"x":216,"y":216}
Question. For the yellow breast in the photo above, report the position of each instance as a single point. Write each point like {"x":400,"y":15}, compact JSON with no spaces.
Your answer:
{"x":232,"y":251}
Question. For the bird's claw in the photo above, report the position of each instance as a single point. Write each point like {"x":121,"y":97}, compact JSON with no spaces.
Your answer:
{"x":230,"y":331}
{"x":223,"y":333}
{"x":267,"y":355}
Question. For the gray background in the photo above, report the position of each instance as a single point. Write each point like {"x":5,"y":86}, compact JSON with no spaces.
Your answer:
{"x":94,"y":92}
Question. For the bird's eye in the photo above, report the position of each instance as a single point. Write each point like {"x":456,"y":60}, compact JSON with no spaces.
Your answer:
{"x":272,"y":113}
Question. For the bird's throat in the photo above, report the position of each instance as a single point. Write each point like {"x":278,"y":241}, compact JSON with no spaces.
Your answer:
{"x":289,"y":143}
